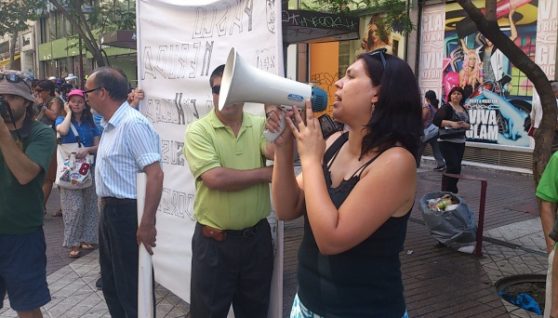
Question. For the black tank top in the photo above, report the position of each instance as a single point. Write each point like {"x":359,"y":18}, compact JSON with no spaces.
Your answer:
{"x":364,"y":281}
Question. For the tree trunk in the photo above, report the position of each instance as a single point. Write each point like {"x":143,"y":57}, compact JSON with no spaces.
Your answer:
{"x":490,"y":10}
{"x":12,"y":49}
{"x":547,"y":127}
{"x":79,"y":23}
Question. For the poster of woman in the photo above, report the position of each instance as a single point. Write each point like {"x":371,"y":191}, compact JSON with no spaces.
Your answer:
{"x":498,"y":95}
{"x":376,"y":34}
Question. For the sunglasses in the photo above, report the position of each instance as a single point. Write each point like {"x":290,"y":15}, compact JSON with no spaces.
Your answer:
{"x":14,"y":78}
{"x":380,"y":52}
{"x":216,"y":89}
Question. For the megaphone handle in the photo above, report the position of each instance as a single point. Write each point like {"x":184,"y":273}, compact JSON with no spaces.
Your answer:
{"x":271,"y":136}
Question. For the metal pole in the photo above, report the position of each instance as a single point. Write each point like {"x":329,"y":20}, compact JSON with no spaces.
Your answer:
{"x":80,"y":64}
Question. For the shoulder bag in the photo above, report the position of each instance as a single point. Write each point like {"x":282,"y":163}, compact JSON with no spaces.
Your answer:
{"x":73,"y":173}
{"x":446,"y":133}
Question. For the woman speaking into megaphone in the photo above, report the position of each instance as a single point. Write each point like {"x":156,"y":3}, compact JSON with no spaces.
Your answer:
{"x":356,"y":190}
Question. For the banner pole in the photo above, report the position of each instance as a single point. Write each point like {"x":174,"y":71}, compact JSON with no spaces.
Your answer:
{"x":145,"y":270}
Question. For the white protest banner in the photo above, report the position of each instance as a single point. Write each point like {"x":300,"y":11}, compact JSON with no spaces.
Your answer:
{"x":179,"y":45}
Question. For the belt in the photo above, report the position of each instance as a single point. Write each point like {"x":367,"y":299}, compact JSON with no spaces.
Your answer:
{"x":221,"y":235}
{"x":117,"y":201}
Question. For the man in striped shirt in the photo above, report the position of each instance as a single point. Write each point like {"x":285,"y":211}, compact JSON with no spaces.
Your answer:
{"x":128,"y":145}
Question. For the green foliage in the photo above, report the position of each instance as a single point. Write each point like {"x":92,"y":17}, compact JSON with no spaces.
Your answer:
{"x":15,"y":14}
{"x":104,"y":15}
{"x":395,"y":16}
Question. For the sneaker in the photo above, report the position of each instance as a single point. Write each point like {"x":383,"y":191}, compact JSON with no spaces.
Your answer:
{"x":440,"y":168}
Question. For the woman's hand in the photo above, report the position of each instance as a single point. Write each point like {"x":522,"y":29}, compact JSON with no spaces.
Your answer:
{"x":67,"y":108}
{"x":82,"y":153}
{"x":273,"y":124}
{"x":310,"y":141}
{"x":462,"y":124}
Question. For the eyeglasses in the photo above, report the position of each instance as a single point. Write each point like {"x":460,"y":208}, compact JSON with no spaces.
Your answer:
{"x":381,"y":52}
{"x":14,"y":78}
{"x":216,"y":89}
{"x":92,"y":90}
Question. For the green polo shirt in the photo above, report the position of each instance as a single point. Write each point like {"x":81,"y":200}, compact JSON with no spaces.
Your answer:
{"x":547,"y":189}
{"x":210,"y":144}
{"x":21,"y":206}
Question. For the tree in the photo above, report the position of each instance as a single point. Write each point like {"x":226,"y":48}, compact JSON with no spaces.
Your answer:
{"x":89,"y":20}
{"x":396,"y":16}
{"x":14,"y":16}
{"x":487,"y":25}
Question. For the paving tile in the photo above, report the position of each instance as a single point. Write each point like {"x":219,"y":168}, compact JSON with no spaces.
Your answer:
{"x":438,"y":282}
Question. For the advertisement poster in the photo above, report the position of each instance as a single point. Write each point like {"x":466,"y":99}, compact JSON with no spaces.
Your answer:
{"x":498,"y":95}
{"x":432,"y":49}
{"x":374,"y":34}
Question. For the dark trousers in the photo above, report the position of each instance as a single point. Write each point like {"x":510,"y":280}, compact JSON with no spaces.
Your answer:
{"x":236,"y":270}
{"x":118,"y":257}
{"x":453,"y":154}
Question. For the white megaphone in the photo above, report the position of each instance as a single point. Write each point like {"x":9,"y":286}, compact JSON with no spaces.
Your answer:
{"x":242,"y":82}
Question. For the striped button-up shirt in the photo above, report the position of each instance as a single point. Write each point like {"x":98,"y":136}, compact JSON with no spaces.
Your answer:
{"x":128,"y":144}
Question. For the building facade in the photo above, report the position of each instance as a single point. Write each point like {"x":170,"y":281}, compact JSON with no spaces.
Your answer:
{"x":438,"y":49}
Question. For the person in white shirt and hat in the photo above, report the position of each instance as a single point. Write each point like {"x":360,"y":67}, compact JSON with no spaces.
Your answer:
{"x":72,"y":80}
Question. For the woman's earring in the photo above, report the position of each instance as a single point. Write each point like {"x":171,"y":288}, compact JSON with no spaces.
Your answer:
{"x":372,"y":107}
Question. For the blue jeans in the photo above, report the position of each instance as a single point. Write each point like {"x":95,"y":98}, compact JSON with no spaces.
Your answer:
{"x":118,"y":257}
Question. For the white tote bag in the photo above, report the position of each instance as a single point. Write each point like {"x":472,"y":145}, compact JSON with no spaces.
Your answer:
{"x":73,"y":173}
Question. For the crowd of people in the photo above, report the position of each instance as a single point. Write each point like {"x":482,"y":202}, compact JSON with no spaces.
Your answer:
{"x":39,"y":118}
{"x":372,"y":159}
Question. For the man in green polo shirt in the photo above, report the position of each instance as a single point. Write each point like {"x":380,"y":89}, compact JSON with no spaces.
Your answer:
{"x":26,"y":147}
{"x":547,"y":193}
{"x":232,"y":255}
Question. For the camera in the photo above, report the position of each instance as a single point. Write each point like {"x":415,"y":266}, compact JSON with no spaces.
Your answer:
{"x":4,"y":109}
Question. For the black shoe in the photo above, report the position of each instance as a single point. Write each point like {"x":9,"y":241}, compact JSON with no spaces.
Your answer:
{"x":440,"y":168}
{"x":99,"y":283}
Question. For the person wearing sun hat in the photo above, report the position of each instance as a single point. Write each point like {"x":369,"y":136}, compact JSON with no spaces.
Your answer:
{"x":79,"y":206}
{"x":26,"y":147}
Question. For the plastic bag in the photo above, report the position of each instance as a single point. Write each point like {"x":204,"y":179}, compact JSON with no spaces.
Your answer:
{"x":454,"y":227}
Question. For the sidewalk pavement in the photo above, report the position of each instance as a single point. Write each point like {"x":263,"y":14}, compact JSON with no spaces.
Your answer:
{"x":439,"y":282}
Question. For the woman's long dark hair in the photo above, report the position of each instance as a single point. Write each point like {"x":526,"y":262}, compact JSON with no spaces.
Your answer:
{"x":431,"y":98}
{"x":397,"y":116}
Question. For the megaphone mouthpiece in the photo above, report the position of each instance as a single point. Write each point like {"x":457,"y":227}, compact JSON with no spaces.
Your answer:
{"x":319,"y":99}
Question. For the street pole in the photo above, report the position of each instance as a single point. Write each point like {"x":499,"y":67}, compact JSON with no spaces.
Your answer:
{"x":80,"y":64}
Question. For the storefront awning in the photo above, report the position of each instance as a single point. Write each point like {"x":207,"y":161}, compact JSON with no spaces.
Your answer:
{"x":122,"y":38}
{"x":300,"y":26}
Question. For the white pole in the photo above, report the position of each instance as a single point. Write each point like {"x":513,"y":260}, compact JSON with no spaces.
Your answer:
{"x":145,"y":270}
